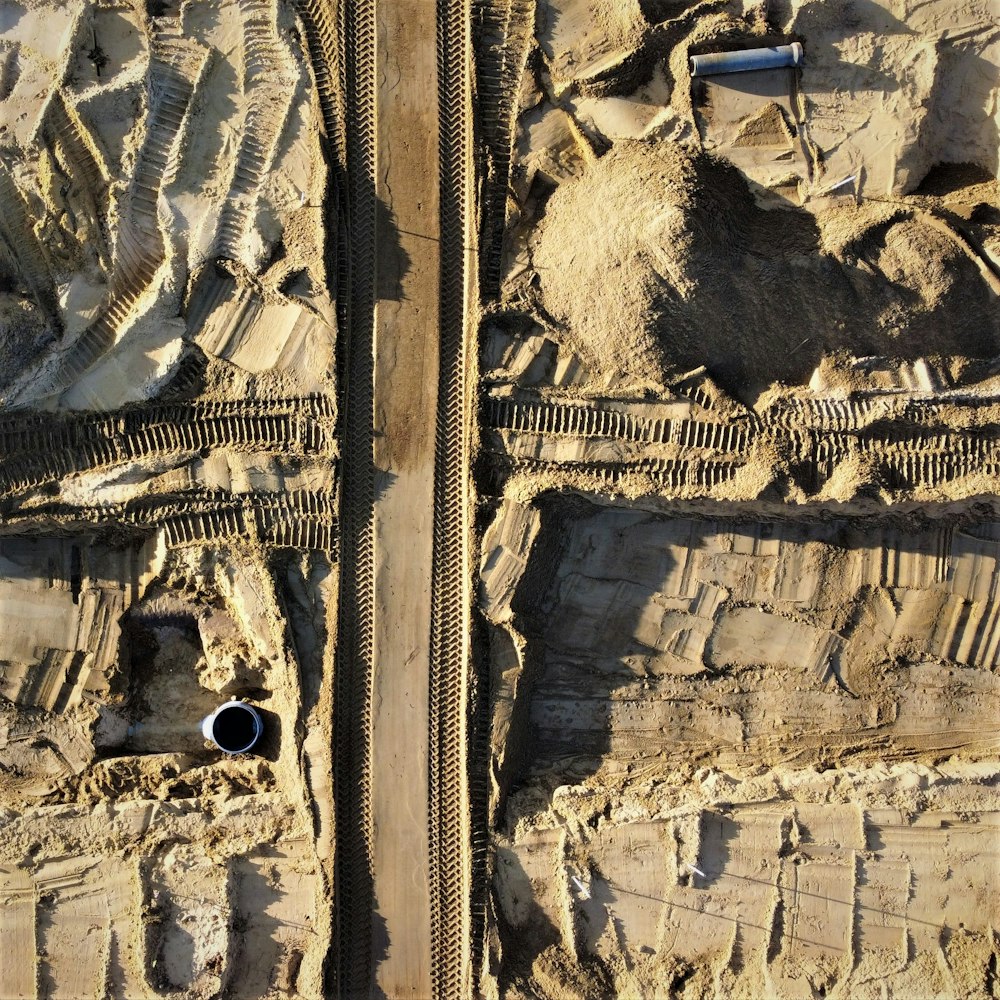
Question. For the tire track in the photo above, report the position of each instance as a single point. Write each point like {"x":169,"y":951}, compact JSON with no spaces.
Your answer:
{"x":176,"y":67}
{"x":449,"y":830}
{"x":353,"y":685}
{"x":23,"y":245}
{"x":66,"y":133}
{"x":38,"y":449}
{"x":506,"y":32}
{"x":905,"y":443}
{"x":270,"y":83}
{"x":296,"y":519}
{"x":573,"y":420}
{"x":323,"y":32}
{"x":341,"y":45}
{"x":673,"y":475}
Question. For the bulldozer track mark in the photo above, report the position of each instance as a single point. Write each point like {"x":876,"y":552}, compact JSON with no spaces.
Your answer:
{"x":593,"y":422}
{"x":674,"y":475}
{"x":899,"y":438}
{"x":449,"y":834}
{"x":909,"y":457}
{"x":697,"y":395}
{"x":822,"y":414}
{"x":322,"y":34}
{"x":77,"y":149}
{"x":34,"y":432}
{"x":270,"y":97}
{"x":926,"y":471}
{"x":351,"y":965}
{"x":175,"y":69}
{"x":303,"y":519}
{"x":39,"y":449}
{"x":859,"y":414}
{"x":506,"y":32}
{"x":24,"y":248}
{"x":277,"y":525}
{"x":67,"y":126}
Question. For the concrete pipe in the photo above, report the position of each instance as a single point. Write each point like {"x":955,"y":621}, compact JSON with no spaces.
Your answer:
{"x":746,"y":60}
{"x":234,"y":727}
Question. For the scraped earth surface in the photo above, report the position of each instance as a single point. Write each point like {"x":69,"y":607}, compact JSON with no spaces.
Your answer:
{"x":739,"y":574}
{"x":168,"y":501}
{"x":724,"y":722}
{"x":739,"y":737}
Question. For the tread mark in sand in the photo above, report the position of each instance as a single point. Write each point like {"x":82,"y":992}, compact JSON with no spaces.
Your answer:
{"x":449,"y":834}
{"x":39,"y":449}
{"x":351,"y":966}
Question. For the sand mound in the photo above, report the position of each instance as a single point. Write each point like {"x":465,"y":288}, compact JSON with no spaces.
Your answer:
{"x":768,"y":127}
{"x":659,"y":261}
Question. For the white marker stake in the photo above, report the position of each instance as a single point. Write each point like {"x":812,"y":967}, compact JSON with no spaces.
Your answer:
{"x":697,"y":871}
{"x":840,"y":184}
{"x":584,"y":892}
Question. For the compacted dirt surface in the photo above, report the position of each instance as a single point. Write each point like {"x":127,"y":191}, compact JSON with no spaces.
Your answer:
{"x":587,"y":469}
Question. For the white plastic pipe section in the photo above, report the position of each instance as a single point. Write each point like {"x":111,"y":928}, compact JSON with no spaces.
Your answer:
{"x":748,"y":59}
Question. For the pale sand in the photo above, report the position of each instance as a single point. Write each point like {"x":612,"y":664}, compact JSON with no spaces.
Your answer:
{"x":738,"y":626}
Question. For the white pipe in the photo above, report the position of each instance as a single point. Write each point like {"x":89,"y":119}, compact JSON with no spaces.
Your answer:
{"x":746,"y":60}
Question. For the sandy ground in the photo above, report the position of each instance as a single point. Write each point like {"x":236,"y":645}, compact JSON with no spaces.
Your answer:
{"x":162,"y":266}
{"x":743,"y":652}
{"x":725,"y":721}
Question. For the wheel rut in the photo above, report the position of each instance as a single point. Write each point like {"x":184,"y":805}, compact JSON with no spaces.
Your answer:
{"x":351,"y":966}
{"x":449,"y":831}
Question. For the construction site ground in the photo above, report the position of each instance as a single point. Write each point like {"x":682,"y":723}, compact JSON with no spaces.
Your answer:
{"x":588,"y":470}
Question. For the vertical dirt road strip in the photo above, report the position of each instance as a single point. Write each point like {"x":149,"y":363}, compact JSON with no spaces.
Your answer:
{"x":402,"y":816}
{"x":405,"y":391}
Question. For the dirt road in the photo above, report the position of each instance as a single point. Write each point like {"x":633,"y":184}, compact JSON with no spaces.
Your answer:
{"x":406,"y":366}
{"x":403,"y":829}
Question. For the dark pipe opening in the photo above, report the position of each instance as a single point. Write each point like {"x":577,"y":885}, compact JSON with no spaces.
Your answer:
{"x":234,"y":729}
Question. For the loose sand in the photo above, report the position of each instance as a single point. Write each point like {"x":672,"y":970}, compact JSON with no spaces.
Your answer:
{"x":725,"y":721}
{"x":744,"y":673}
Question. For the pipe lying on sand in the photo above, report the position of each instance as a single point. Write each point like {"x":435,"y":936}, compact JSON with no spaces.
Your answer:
{"x":746,"y":60}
